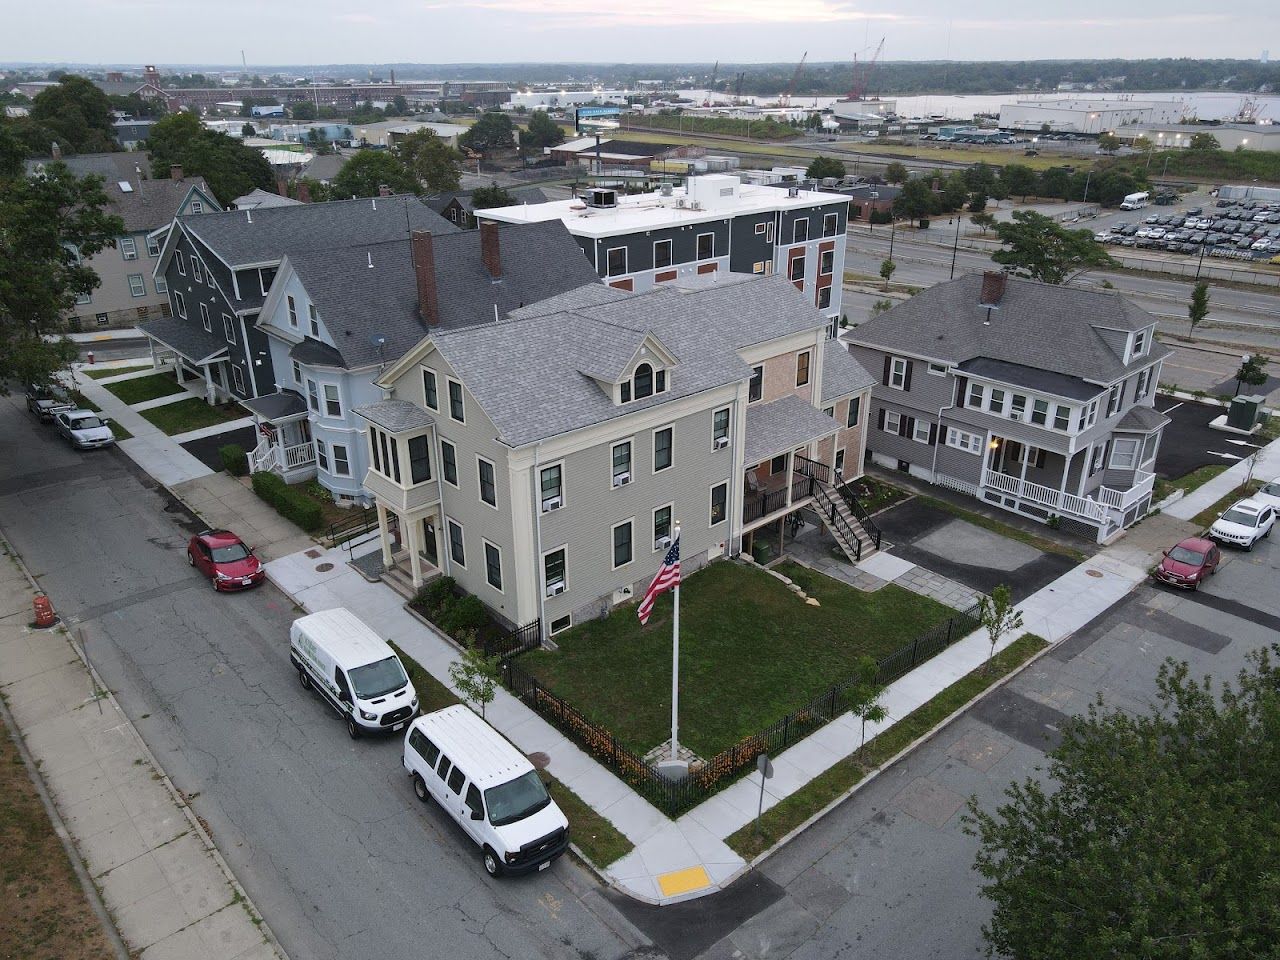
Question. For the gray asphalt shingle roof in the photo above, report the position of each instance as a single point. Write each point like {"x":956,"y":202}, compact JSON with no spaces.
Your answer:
{"x":257,"y":198}
{"x":274,"y":406}
{"x":357,"y":304}
{"x":1036,"y":325}
{"x":189,"y":339}
{"x":509,"y":368}
{"x":1060,"y":385}
{"x":315,"y":353}
{"x":395,"y":416}
{"x":1143,"y":419}
{"x":782,"y":425}
{"x":267,"y":235}
{"x":841,"y":374}
{"x":148,"y":204}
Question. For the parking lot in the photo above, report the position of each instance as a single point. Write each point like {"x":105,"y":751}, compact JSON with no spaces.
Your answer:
{"x":1221,"y":229}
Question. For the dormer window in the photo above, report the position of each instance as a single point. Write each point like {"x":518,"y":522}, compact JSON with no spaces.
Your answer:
{"x":645,"y":382}
{"x":1140,"y":343}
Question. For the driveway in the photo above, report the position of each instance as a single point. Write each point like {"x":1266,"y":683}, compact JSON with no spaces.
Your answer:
{"x":206,"y":448}
{"x":979,"y":558}
{"x":1188,"y":442}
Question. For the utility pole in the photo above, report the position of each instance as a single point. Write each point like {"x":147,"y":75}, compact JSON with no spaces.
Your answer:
{"x":955,"y":248}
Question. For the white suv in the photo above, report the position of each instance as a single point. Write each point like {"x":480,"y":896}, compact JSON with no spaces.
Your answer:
{"x":1244,"y":524}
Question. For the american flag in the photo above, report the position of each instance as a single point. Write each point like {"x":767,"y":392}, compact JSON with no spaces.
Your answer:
{"x":668,"y":577}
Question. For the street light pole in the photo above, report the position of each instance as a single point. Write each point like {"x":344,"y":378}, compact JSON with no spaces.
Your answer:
{"x":955,"y":248}
{"x":1203,"y":244}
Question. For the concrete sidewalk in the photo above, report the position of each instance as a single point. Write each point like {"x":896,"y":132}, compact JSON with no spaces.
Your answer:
{"x":1266,"y":466}
{"x":224,"y":501}
{"x":168,"y":890}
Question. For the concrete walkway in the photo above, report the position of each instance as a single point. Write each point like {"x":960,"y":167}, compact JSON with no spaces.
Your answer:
{"x":222,"y":500}
{"x":168,"y":890}
{"x":1266,"y":466}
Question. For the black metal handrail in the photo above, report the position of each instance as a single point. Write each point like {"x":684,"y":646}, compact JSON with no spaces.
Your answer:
{"x":354,"y":526}
{"x":859,"y":511}
{"x":831,"y":510}
{"x":812,"y":468}
{"x":760,"y":505}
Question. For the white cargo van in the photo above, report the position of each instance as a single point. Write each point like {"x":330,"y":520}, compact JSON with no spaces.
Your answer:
{"x":1135,"y":201}
{"x":354,"y":669}
{"x":489,"y":787}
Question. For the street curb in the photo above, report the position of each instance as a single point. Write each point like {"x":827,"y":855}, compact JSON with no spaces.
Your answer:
{"x":196,"y":825}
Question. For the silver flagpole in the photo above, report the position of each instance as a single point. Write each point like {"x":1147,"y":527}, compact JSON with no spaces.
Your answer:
{"x":675,"y":667}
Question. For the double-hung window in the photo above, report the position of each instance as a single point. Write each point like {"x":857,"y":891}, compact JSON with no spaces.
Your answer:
{"x":661,"y":526}
{"x":802,"y":368}
{"x":892,"y":422}
{"x":229,"y":327}
{"x":419,"y":459}
{"x":430,"y":396}
{"x":661,"y":254}
{"x":898,"y":373}
{"x":921,"y":432}
{"x":314,"y":319}
{"x":488,"y":488}
{"x":153,"y":247}
{"x":755,"y":389}
{"x":457,"y":550}
{"x":1061,"y":417}
{"x":663,"y":441}
{"x":1113,"y":399}
{"x":995,"y":402}
{"x":976,"y":391}
{"x":332,"y":402}
{"x":313,"y":396}
{"x":797,"y":268}
{"x":830,"y":224}
{"x":826,"y":263}
{"x":1140,"y":343}
{"x":449,"y":462}
{"x":621,"y":463}
{"x":616,"y":261}
{"x":181,"y":262}
{"x":322,"y":455}
{"x":719,"y":503}
{"x":341,"y":460}
{"x":1018,"y":407}
{"x":128,"y":248}
{"x":205,"y":319}
{"x":1144,"y":384}
{"x":622,"y":551}
{"x":706,"y":246}
{"x":493,"y":566}
{"x":855,"y":404}
{"x":293,"y":310}
{"x":455,"y":401}
{"x":800,"y":230}
{"x":196,"y":273}
{"x":720,"y":428}
{"x":1124,"y":453}
{"x":552,"y":484}
{"x":553,"y":572}
{"x":137,"y":286}
{"x":1040,"y":412}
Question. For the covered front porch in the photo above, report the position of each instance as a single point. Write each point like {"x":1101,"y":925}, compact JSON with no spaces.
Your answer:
{"x":781,"y":447}
{"x":196,"y":355}
{"x":284,"y":432}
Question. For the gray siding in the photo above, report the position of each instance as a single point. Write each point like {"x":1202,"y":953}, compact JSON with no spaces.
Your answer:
{"x":750,"y":248}
{"x":960,"y":464}
{"x":893,"y":445}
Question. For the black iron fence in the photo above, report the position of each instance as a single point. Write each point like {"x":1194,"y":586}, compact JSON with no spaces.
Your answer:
{"x":674,"y":796}
{"x":515,"y":642}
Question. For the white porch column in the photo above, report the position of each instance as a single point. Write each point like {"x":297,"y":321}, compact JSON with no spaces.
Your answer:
{"x":155,"y":361}
{"x":1022,"y":477}
{"x":384,"y":534}
{"x":415,"y":546}
{"x":791,"y":473}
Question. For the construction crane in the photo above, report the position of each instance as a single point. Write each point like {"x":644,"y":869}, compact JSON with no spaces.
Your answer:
{"x":711,"y":84}
{"x":795,"y":78}
{"x":862,"y":77}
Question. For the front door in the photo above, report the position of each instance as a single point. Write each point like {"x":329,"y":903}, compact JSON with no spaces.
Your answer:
{"x":429,"y":541}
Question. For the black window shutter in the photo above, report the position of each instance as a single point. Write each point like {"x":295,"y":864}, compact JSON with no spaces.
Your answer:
{"x":906,"y":385}
{"x":962,"y":388}
{"x":888,"y":360}
{"x":880,"y":419}
{"x":933,"y":434}
{"x":906,"y":426}
{"x":1039,"y":459}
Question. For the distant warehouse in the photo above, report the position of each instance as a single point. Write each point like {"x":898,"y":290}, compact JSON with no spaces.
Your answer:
{"x":1247,"y":136}
{"x":1088,"y":116}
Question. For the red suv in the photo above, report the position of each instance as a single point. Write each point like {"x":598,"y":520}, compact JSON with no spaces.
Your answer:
{"x":1187,"y":564}
{"x":223,"y":557}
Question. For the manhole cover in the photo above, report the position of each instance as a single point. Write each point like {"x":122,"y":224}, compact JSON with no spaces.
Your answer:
{"x":539,"y":760}
{"x":313,"y":553}
{"x":1093,"y":573}
{"x":323,"y":567}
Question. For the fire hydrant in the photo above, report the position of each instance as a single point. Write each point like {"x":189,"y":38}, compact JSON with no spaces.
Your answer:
{"x":90,"y":358}
{"x":45,"y":617}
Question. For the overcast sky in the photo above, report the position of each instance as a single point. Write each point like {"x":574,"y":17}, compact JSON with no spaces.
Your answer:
{"x":445,"y":31}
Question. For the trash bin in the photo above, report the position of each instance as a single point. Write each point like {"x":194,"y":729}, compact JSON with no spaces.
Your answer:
{"x":1243,"y":412}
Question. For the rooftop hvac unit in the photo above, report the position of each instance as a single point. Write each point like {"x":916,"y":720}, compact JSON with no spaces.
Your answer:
{"x":602,"y":198}
{"x":793,"y":191}
{"x":665,"y":189}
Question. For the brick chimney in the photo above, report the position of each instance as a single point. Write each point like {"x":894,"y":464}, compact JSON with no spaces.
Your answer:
{"x":384,"y":190}
{"x":304,"y":192}
{"x":424,"y":269}
{"x":175,"y":171}
{"x":490,"y":252}
{"x":993,"y":284}
{"x":282,"y":188}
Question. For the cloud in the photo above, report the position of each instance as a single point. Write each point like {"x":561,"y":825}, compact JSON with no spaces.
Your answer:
{"x":357,"y":18}
{"x":674,"y":13}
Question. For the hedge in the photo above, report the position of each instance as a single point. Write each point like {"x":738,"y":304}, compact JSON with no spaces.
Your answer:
{"x":234,"y":460}
{"x":289,"y":503}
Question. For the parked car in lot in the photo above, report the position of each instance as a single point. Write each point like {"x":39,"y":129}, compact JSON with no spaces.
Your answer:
{"x":84,"y":429}
{"x":489,"y":787}
{"x":225,"y":559}
{"x":1244,"y":523}
{"x":47,"y":402}
{"x":1188,"y":563}
{"x":1269,"y":493}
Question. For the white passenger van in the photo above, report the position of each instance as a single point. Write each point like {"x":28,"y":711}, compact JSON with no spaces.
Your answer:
{"x":354,"y":669}
{"x":1135,"y":201}
{"x":489,"y":787}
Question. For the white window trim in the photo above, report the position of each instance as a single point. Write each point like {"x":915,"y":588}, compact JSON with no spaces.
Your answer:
{"x":823,"y":255}
{"x":653,"y":449}
{"x":1031,"y":411}
{"x":963,"y":440}
{"x":180,"y":302}
{"x":457,"y":469}
{"x":626,"y":262}
{"x":697,"y":242}
{"x":892,"y":422}
{"x":612,"y":530}
{"x":711,"y":499}
{"x":1115,"y":447}
{"x":542,"y":570}
{"x":808,"y":373}
{"x":297,"y":371}
{"x":1016,"y":411}
{"x":436,"y":377}
{"x":897,"y":375}
{"x":229,"y":324}
{"x":653,"y":521}
{"x":631,"y":462}
{"x":128,"y":248}
{"x":448,"y":543}
{"x":937,"y":369}
{"x":333,"y":459}
{"x":206,"y":318}
{"x":180,"y":261}
{"x":142,"y":282}
{"x":835,"y":231}
{"x":237,"y":378}
{"x":1054,"y":419}
{"x":563,"y":500}
{"x":480,"y":458}
{"x":760,"y":228}
{"x":502,"y":574}
{"x":462,"y":395}
{"x":197,"y":271}
{"x":551,"y":627}
{"x":322,"y":455}
{"x":261,"y":286}
{"x":728,"y":429}
{"x":313,"y":319}
{"x":1096,"y":461}
{"x":153,"y":247}
{"x":197,"y":206}
{"x":991,"y":397}
{"x":291,"y":308}
{"x":162,"y":285}
{"x":324,"y":399}
{"x":671,"y":262}
{"x":760,"y":367}
{"x":981,"y":403}
{"x":915,"y":431}
{"x":796,"y":223}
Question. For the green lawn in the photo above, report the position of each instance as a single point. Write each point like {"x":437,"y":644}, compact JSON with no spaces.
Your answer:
{"x":190,"y":414}
{"x":1204,"y":519}
{"x":101,"y":373}
{"x":1192,"y":481}
{"x":750,"y":653}
{"x":145,"y":388}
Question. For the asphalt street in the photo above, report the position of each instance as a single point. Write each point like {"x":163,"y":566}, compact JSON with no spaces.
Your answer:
{"x":323,"y":832}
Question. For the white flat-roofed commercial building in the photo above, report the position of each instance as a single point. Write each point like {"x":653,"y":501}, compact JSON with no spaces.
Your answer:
{"x":1073,"y":115}
{"x":716,"y":224}
{"x":1247,"y":136}
{"x":864,"y":109}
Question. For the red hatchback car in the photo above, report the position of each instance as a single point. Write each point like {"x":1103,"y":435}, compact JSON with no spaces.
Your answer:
{"x":225,"y":559}
{"x":1188,"y":563}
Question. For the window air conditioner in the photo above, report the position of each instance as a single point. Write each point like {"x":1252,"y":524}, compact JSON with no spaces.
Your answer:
{"x":620,"y":478}
{"x":721,"y":442}
{"x":555,"y":588}
{"x":551,"y":503}
{"x":662,"y":543}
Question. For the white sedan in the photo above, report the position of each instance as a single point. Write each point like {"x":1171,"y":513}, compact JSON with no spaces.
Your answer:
{"x":84,"y":429}
{"x":1244,"y":523}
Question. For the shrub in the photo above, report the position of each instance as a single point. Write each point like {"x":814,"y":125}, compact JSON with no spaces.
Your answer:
{"x":290,"y":504}
{"x":234,"y":460}
{"x":436,"y":595}
{"x":268,"y":485}
{"x":464,"y":614}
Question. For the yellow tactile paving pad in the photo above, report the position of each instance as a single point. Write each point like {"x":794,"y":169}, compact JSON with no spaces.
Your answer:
{"x":683,"y":881}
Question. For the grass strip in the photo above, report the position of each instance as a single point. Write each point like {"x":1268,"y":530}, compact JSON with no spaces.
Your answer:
{"x":1206,"y":516}
{"x":594,"y":835}
{"x":1042,"y":544}
{"x":1192,"y":481}
{"x":836,"y":781}
{"x":101,"y":373}
{"x":190,"y":414}
{"x":140,"y":389}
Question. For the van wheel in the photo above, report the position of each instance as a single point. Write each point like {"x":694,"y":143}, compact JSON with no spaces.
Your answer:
{"x":420,"y":788}
{"x":492,"y":865}
{"x":353,"y":729}
{"x":303,"y":678}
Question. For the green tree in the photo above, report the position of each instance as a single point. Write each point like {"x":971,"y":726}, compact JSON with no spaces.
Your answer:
{"x":78,"y":112}
{"x":1109,"y":142}
{"x":229,"y":167}
{"x":432,"y":161}
{"x":304,"y":110}
{"x":1198,"y":307}
{"x":977,"y":202}
{"x":247,"y":130}
{"x":1156,"y":835}
{"x":1018,"y":179}
{"x":1143,"y":144}
{"x":1045,"y":128}
{"x":491,"y":196}
{"x":476,"y":676}
{"x":955,"y":193}
{"x":1252,"y":372}
{"x":887,"y":268}
{"x":369,"y":170}
{"x":1055,"y":182}
{"x":896,"y":172}
{"x":1036,"y":246}
{"x":401,"y":105}
{"x":541,"y":132}
{"x":823,"y":167}
{"x":864,"y":697}
{"x":51,"y":224}
{"x":492,"y":131}
{"x":915,"y":200}
{"x":984,"y":220}
{"x":998,"y":617}
{"x":1199,"y":141}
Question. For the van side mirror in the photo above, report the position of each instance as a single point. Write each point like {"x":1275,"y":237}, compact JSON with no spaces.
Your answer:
{"x":477,"y":814}
{"x":344,"y":696}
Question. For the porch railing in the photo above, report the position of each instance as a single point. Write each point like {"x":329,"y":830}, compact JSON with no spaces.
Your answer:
{"x":299,"y":455}
{"x":830,"y":508}
{"x":1143,"y":483}
{"x":1046,"y":496}
{"x":755,"y":506}
{"x":859,"y":511}
{"x":265,"y":456}
{"x":811,"y":468}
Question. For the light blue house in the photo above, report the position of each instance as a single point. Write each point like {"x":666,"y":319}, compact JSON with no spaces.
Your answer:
{"x":335,"y":318}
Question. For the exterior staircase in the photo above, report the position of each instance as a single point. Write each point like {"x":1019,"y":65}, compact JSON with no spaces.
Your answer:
{"x":843,"y":516}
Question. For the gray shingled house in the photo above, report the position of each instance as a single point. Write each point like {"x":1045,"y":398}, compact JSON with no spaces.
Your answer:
{"x":1035,"y":398}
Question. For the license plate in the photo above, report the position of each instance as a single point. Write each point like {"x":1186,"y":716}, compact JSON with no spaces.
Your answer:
{"x":246,"y":581}
{"x":543,"y":866}
{"x":398,"y":726}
